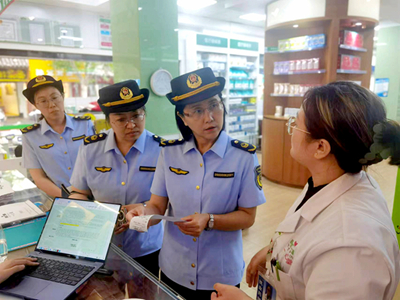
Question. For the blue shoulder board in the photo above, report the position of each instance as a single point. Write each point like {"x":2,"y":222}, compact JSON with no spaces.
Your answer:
{"x":30,"y":128}
{"x":244,"y":146}
{"x":95,"y":138}
{"x":157,"y":138}
{"x":165,"y":143}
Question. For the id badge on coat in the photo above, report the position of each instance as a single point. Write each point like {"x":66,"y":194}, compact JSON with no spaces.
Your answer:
{"x":265,"y":290}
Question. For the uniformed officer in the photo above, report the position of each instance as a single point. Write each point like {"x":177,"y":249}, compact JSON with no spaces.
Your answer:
{"x":50,"y":147}
{"x":337,"y":241}
{"x":118,"y":165}
{"x":211,"y":181}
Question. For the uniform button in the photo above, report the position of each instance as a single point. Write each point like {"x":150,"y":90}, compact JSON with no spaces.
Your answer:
{"x":192,"y":283}
{"x":123,"y":183}
{"x":65,"y":152}
{"x":124,"y":161}
{"x":197,"y":187}
{"x":120,"y":246}
{"x":61,"y":137}
{"x":193,"y":265}
{"x":201,"y":165}
{"x":194,"y":240}
{"x":69,"y":168}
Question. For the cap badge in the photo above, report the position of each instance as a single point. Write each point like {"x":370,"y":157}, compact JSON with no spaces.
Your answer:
{"x":40,"y":79}
{"x":126,"y":93}
{"x":194,"y":81}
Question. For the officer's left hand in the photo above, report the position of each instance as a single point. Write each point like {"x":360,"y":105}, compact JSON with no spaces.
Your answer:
{"x":194,"y":225}
{"x":228,"y":292}
{"x":121,"y":229}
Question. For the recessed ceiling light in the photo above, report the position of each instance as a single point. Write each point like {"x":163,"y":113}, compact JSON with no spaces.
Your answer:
{"x":195,"y":4}
{"x":31,"y":18}
{"x":87,"y":2}
{"x":253,"y":17}
{"x":140,"y":8}
{"x":40,"y":40}
{"x":176,"y":29}
{"x":295,"y":25}
{"x":358,"y":24}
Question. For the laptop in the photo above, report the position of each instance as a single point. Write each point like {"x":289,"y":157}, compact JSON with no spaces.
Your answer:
{"x":73,"y":245}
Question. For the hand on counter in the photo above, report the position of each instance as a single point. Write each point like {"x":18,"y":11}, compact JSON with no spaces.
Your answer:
{"x":12,"y":266}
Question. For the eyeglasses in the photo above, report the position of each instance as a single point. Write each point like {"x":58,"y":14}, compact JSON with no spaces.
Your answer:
{"x":122,"y":122}
{"x":291,"y":124}
{"x":197,"y":114}
{"x":46,"y":102}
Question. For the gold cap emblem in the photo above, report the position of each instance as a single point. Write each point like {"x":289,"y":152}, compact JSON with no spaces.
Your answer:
{"x":40,"y":79}
{"x":126,"y":93}
{"x":194,"y":81}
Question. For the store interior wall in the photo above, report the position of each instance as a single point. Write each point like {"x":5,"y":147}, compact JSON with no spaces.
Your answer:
{"x":388,"y":66}
{"x":146,"y":40}
{"x":88,"y":21}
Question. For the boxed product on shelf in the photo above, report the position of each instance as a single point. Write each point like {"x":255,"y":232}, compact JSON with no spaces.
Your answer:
{"x":307,"y":42}
{"x":351,"y":38}
{"x":286,"y":67}
{"x":292,"y":89}
{"x":349,"y":62}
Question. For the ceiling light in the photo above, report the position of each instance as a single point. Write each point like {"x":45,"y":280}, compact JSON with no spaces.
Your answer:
{"x":195,"y":4}
{"x":31,"y":18}
{"x":375,"y":38}
{"x":87,"y":2}
{"x":295,"y":26}
{"x":40,"y":40}
{"x":376,"y":28}
{"x":358,"y":24}
{"x":253,"y":17}
{"x":176,"y":29}
{"x":140,"y":8}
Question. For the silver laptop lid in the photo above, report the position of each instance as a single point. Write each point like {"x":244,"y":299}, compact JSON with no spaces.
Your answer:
{"x":79,"y":229}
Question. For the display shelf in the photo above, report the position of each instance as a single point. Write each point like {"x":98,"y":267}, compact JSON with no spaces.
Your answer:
{"x":242,"y":89}
{"x":211,"y":61}
{"x":239,"y":79}
{"x":243,"y":68}
{"x":360,"y":72}
{"x":302,"y":72}
{"x":241,"y":122}
{"x":286,"y":95}
{"x":238,"y":97}
{"x":291,"y":51}
{"x":241,"y":114}
{"x":352,"y":48}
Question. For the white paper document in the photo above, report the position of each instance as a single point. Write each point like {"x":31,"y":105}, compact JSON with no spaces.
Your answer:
{"x":18,"y":212}
{"x":141,"y":223}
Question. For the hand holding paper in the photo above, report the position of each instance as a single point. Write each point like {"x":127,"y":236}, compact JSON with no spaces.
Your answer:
{"x":141,"y":223}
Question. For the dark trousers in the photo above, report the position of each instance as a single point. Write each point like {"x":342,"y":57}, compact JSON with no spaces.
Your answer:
{"x":150,"y":262}
{"x":186,"y":293}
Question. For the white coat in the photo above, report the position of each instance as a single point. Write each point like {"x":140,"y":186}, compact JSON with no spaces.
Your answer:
{"x":340,"y":245}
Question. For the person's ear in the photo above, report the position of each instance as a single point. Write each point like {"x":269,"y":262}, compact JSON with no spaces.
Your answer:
{"x":182,"y":118}
{"x":323,"y":149}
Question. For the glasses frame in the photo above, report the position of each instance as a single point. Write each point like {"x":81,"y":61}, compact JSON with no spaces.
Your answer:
{"x":291,"y":127}
{"x":192,"y":115}
{"x":47,"y":101}
{"x":131,"y":120}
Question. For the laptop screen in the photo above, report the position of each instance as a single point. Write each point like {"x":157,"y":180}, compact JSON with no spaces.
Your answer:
{"x":79,"y":228}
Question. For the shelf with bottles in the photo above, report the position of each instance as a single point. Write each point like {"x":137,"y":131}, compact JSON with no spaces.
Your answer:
{"x":216,"y":61}
{"x":250,"y":118}
{"x":358,"y":72}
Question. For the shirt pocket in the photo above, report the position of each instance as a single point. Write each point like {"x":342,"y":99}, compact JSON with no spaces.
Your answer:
{"x":284,"y":286}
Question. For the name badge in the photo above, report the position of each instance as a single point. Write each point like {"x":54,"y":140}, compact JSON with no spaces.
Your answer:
{"x":224,"y":175}
{"x":147,"y":169}
{"x":265,"y":291}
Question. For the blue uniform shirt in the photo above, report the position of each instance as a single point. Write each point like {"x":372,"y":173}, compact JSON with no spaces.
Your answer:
{"x":111,"y":177}
{"x":43,"y":148}
{"x":218,"y":182}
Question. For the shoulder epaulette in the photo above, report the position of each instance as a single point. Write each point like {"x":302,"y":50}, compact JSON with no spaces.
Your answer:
{"x":94,"y":138}
{"x":244,"y":146}
{"x":30,"y":128}
{"x":83,"y":118}
{"x":157,"y":138}
{"x":164,"y":143}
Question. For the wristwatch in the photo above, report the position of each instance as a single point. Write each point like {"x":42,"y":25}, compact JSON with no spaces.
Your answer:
{"x":210,"y":225}
{"x":144,"y":204}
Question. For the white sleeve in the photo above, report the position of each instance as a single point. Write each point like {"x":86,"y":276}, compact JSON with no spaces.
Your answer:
{"x":348,"y":273}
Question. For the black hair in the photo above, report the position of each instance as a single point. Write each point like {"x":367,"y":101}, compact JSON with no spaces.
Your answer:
{"x":347,"y":115}
{"x":185,"y":130}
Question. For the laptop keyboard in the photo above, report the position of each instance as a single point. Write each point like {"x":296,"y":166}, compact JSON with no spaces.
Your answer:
{"x":59,"y":271}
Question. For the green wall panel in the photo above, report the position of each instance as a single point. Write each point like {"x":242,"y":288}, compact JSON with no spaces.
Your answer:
{"x":144,"y":41}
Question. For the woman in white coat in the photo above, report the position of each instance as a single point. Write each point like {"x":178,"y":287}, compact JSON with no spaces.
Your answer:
{"x":337,"y":241}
